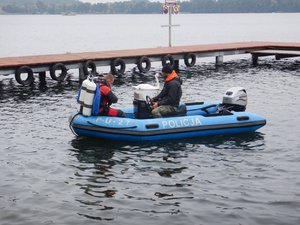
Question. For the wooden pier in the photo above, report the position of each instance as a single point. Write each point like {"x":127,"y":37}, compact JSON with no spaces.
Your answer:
{"x":87,"y":62}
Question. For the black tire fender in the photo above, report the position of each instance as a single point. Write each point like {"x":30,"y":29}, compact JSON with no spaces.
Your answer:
{"x":189,"y":59}
{"x":168,"y":59}
{"x":62,"y":75}
{"x":116,"y":63}
{"x":89,"y":67}
{"x":24,"y":69}
{"x":140,"y":66}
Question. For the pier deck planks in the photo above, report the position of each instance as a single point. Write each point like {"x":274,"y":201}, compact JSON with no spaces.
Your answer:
{"x":38,"y":60}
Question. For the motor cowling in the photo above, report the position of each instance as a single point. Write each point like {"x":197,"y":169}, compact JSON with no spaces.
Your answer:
{"x":235,"y":99}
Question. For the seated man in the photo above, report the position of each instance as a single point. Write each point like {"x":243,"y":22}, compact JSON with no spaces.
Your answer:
{"x":108,"y":98}
{"x":168,"y":99}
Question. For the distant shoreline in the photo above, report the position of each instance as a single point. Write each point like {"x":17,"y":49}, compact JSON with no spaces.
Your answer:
{"x":83,"y":14}
{"x":56,"y":7}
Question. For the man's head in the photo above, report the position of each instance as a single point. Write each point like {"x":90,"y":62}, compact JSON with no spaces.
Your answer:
{"x":167,"y":69}
{"x":109,"y":78}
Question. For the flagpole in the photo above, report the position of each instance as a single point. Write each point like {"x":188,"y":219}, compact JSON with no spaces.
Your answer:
{"x":170,"y":7}
{"x":170,"y":27}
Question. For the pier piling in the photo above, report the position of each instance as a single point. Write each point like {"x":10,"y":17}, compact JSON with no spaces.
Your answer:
{"x":219,"y":60}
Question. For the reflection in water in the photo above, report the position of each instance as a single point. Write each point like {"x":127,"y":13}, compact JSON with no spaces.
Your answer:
{"x":92,"y":150}
{"x":245,"y":142}
{"x":112,"y":174}
{"x":50,"y":177}
{"x":149,"y":178}
{"x":93,"y":174}
{"x":10,"y":90}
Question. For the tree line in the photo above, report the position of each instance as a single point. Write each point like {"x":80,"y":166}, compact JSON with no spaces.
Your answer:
{"x":146,"y":7}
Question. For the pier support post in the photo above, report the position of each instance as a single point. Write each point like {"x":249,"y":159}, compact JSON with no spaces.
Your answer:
{"x":176,"y":66}
{"x":42,"y":77}
{"x":254,"y":59}
{"x":81,"y":73}
{"x":219,"y":60}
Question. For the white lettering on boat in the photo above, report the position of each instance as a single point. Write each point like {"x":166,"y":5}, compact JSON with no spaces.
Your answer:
{"x":115,"y":121}
{"x":108,"y":120}
{"x":186,"y":122}
{"x":123,"y":122}
{"x":165,"y":123}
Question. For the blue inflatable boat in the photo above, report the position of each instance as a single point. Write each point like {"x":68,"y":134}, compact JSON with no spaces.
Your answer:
{"x":196,"y":119}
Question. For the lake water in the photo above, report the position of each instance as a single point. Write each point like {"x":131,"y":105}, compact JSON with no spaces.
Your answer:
{"x":49,"y":176}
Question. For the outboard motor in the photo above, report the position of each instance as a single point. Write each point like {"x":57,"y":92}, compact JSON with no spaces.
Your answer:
{"x":142,"y":108}
{"x":235,"y":99}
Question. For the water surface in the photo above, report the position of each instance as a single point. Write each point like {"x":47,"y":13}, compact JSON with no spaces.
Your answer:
{"x":49,"y":176}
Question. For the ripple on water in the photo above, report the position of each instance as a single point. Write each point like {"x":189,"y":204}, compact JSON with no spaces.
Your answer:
{"x":52,"y":177}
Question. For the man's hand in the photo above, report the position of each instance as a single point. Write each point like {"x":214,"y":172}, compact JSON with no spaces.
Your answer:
{"x":154,"y":105}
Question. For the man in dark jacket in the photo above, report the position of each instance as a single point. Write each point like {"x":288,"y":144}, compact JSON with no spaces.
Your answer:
{"x":168,"y":99}
{"x":108,"y":98}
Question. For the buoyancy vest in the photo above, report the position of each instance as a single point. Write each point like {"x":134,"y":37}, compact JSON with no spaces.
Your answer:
{"x":96,"y":101}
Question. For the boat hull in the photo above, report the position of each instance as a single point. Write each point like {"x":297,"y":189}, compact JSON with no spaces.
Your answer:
{"x":197,"y":123}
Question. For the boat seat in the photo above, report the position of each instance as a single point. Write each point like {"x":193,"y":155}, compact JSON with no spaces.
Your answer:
{"x":180,"y":111}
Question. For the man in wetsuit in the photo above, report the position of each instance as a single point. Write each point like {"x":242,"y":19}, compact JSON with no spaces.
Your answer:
{"x":108,"y":98}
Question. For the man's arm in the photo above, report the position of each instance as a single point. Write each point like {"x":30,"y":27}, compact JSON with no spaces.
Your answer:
{"x":111,"y":98}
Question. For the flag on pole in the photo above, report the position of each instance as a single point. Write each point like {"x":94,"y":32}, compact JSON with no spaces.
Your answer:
{"x":165,"y":9}
{"x":175,"y":9}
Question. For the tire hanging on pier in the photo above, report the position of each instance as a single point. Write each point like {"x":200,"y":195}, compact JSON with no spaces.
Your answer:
{"x":168,"y":60}
{"x":189,"y":59}
{"x":61,"y":76}
{"x":143,"y":60}
{"x":22,"y":70}
{"x":118,"y":62}
{"x":89,"y":67}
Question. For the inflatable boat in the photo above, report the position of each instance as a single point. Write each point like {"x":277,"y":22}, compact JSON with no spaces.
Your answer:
{"x":189,"y":120}
{"x":200,"y":119}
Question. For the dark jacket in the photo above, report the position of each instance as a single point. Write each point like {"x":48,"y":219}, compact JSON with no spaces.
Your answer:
{"x":170,"y":94}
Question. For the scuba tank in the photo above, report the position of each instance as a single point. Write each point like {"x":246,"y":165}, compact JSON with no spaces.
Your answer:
{"x":89,"y":97}
{"x":81,"y":94}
